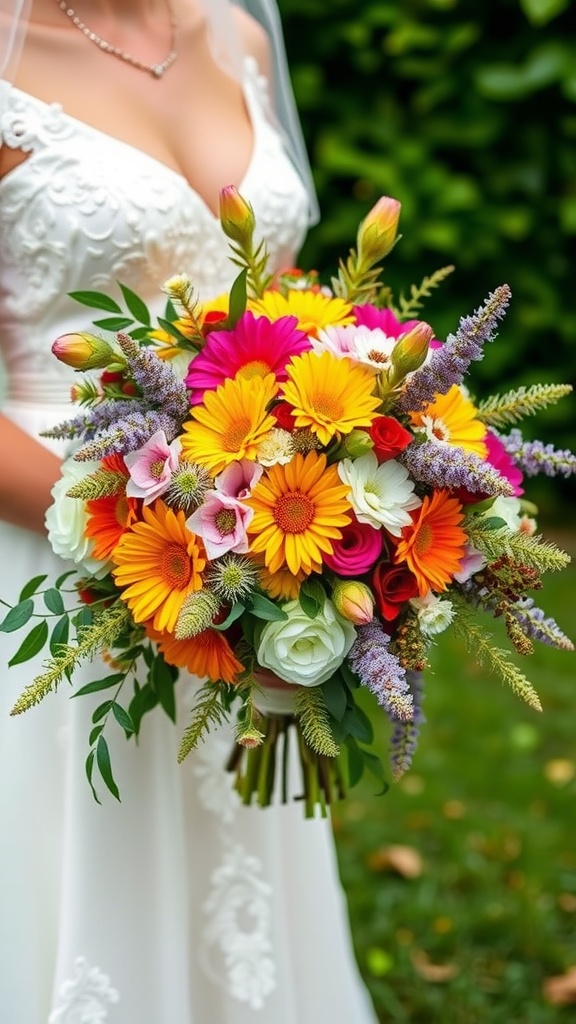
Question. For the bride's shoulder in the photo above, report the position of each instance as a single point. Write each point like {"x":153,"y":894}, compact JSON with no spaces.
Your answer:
{"x":254,"y":38}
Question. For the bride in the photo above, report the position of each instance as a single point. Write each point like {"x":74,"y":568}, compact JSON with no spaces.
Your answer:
{"x":121,"y":122}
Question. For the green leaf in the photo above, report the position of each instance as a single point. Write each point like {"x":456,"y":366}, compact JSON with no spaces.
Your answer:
{"x":84,"y":617}
{"x":262,"y":608}
{"x":171,"y":329}
{"x":541,"y":11}
{"x":144,"y":700}
{"x":104,"y":766}
{"x":62,"y":579}
{"x":100,"y":684}
{"x":140,"y":333}
{"x":114,"y":323}
{"x":122,"y":717}
{"x":32,"y":644}
{"x":53,"y":601}
{"x":60,"y":635}
{"x":376,"y":768}
{"x":101,"y":711}
{"x":89,"y":770}
{"x":355,"y":762}
{"x":31,"y":587}
{"x":335,"y":696}
{"x":94,"y":734}
{"x":17,"y":616}
{"x":238,"y":298}
{"x":358,"y":724}
{"x":309,"y":604}
{"x":136,"y":306}
{"x":162,"y":680}
{"x":234,"y":613}
{"x":96,"y":300}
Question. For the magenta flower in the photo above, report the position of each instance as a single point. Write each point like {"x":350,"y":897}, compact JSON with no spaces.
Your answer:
{"x":502,"y":461}
{"x":372,"y":317}
{"x":151,"y":467}
{"x":221,"y":522}
{"x":359,"y":547}
{"x":255,"y":347}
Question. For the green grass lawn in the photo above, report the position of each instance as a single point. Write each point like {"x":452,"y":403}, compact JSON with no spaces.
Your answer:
{"x":466,"y":929}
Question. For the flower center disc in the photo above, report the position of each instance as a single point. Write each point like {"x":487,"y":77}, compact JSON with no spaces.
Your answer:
{"x":225,"y":521}
{"x":255,"y":368}
{"x":235,"y":436}
{"x":175,"y":566}
{"x":424,"y":539}
{"x":328,"y":406}
{"x":157,"y":468}
{"x":294,"y":512}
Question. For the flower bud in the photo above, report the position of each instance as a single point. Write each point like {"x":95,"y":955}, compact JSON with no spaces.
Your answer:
{"x":236,"y":216}
{"x":353,"y":601}
{"x":356,"y":444}
{"x":377,"y":232}
{"x":411,"y":349}
{"x":83,"y":351}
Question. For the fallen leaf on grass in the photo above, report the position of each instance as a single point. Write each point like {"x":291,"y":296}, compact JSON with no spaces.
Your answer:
{"x":405,"y":860}
{"x":436,"y":973}
{"x":559,"y":771}
{"x":561,"y":989}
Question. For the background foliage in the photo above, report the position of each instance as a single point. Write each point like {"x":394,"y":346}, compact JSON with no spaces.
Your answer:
{"x":466,"y":112}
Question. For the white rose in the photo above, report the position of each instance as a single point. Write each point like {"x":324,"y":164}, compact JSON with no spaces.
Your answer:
{"x":66,"y":520}
{"x":306,"y":651}
{"x":506,"y":508}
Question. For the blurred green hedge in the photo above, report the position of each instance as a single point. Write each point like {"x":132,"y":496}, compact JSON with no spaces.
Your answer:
{"x":466,"y":112}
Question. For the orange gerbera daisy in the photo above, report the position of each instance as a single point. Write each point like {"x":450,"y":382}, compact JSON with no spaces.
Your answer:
{"x":282,"y":584}
{"x":206,"y":654}
{"x":158,"y":563}
{"x":299,"y":509}
{"x":313,"y":309}
{"x":433,"y":546}
{"x":328,"y":395}
{"x":451,"y":419}
{"x":231,"y":422}
{"x":109,"y":517}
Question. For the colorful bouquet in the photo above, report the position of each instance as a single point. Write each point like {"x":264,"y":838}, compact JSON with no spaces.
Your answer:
{"x":289,"y":493}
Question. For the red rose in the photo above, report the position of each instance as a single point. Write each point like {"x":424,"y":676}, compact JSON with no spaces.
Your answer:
{"x":283,"y":415}
{"x":389,"y":437}
{"x":393,"y":586}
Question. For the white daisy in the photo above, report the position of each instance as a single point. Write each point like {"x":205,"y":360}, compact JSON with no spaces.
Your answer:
{"x":380,"y":494}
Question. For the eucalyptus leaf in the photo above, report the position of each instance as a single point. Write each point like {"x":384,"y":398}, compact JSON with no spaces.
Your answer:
{"x":17,"y":616}
{"x":162,"y":680}
{"x":100,"y":684}
{"x":32,"y":644}
{"x":355,"y":762}
{"x":53,"y":601}
{"x":104,"y":766}
{"x":122,"y":717}
{"x":31,"y":587}
{"x":101,"y":711}
{"x":59,"y":636}
{"x":335,"y":697}
{"x":89,"y":772}
{"x":65,"y":575}
{"x":234,"y":613}
{"x":262,"y":608}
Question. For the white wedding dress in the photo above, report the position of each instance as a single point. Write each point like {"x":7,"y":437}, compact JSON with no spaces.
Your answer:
{"x":177,"y":906}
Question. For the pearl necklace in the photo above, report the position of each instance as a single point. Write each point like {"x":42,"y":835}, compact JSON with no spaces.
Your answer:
{"x":157,"y":70}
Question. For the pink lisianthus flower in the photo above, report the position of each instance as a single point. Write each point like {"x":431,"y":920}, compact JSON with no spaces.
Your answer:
{"x":255,"y":347}
{"x":151,"y":467}
{"x":370,"y":346}
{"x":372,"y":317}
{"x":238,"y":479}
{"x":221,"y":521}
{"x":359,"y":547}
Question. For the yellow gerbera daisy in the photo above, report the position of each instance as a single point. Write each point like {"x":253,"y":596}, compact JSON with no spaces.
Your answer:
{"x":451,"y":419}
{"x":231,"y":423}
{"x":158,"y":563}
{"x":330,"y":395}
{"x":282,"y":585}
{"x":299,"y":509}
{"x":313,"y":309}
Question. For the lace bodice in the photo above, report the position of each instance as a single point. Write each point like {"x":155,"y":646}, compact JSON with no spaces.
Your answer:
{"x":86,"y":210}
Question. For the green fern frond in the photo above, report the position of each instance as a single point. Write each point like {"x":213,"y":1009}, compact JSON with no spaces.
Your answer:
{"x":101,"y":634}
{"x":206,"y":712}
{"x":479,"y":643}
{"x":101,"y":484}
{"x":310,"y":709}
{"x":248,"y":732}
{"x":501,"y":410}
{"x":407,"y":308}
{"x":532,"y":551}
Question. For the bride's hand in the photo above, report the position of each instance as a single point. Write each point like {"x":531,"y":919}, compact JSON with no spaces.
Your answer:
{"x":28,"y":471}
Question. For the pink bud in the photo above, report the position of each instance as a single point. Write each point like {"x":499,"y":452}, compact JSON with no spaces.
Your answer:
{"x":353,"y":601}
{"x":83,"y":351}
{"x":377,"y":232}
{"x":236,"y":216}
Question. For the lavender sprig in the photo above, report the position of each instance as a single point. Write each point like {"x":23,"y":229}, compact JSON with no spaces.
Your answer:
{"x":87,"y":425}
{"x":448,"y":365}
{"x":536,"y":625}
{"x":127,"y":434}
{"x":159,"y":385}
{"x":404,"y":739}
{"x":447,"y":466}
{"x":381,"y":672}
{"x":535,"y":457}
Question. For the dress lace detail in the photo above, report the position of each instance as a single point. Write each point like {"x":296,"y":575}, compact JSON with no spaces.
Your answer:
{"x":238,"y":932}
{"x":84,"y":999}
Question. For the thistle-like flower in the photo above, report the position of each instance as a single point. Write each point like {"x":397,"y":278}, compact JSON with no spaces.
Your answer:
{"x":188,"y":486}
{"x":232,"y":578}
{"x":161,"y":388}
{"x":127,"y":434}
{"x":380,"y":671}
{"x":447,"y":466}
{"x":404,"y":739}
{"x":535,"y":457}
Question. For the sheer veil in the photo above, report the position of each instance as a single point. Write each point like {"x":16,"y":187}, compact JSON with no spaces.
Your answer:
{"x":227,"y":48}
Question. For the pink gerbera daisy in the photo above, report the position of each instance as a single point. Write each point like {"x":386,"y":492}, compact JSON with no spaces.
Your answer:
{"x":254,"y":348}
